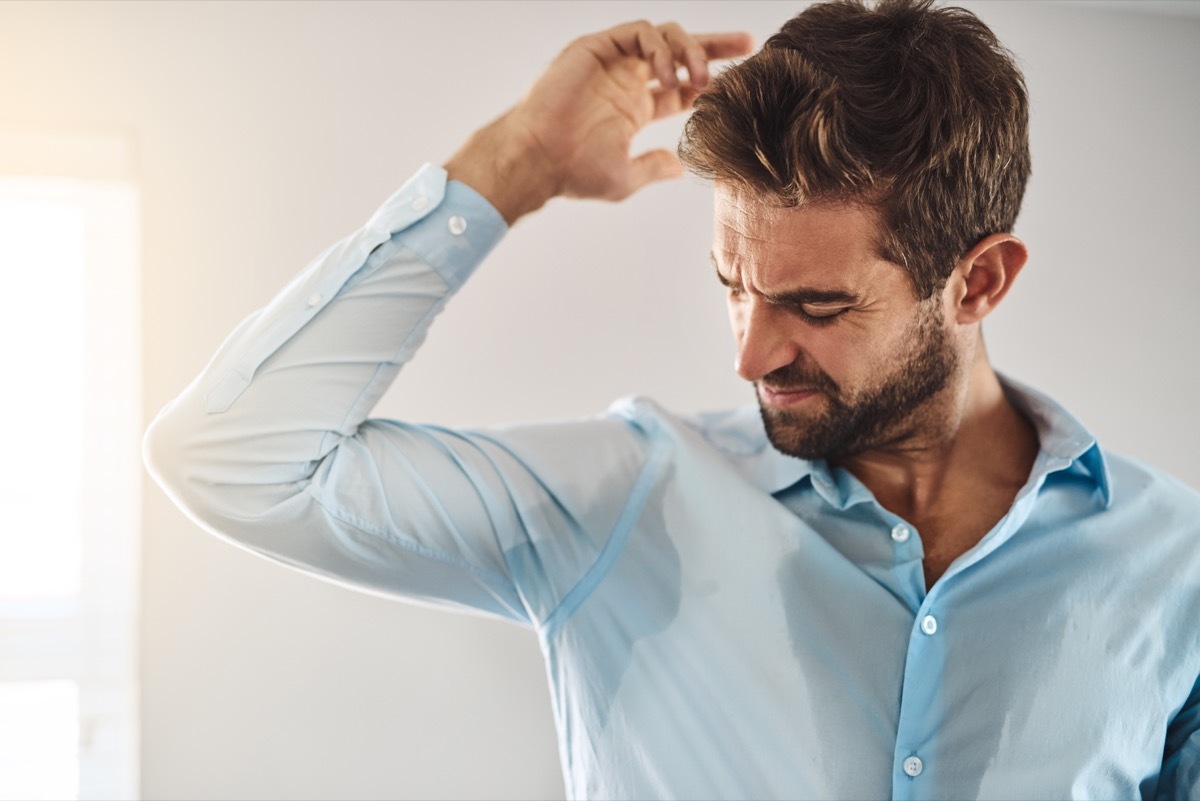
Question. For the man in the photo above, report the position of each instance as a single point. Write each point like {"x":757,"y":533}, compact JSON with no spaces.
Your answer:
{"x":901,"y":575}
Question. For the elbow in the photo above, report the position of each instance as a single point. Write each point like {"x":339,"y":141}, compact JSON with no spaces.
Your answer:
{"x":230,"y":479}
{"x":168,"y":457}
{"x":187,"y":461}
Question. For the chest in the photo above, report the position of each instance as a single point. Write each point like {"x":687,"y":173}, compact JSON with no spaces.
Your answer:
{"x":788,"y":667}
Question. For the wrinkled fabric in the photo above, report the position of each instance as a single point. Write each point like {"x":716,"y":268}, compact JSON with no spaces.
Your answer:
{"x":718,"y":620}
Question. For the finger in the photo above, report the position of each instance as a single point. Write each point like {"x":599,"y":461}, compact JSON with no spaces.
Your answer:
{"x":655,"y":49}
{"x":673,"y":101}
{"x":687,"y":51}
{"x":654,"y":165}
{"x":726,"y":45}
{"x":639,"y":39}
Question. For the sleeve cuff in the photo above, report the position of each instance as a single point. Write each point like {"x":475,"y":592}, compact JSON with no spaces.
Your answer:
{"x":447,"y":224}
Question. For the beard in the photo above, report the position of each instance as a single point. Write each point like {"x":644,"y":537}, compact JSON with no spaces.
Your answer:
{"x":854,"y":422}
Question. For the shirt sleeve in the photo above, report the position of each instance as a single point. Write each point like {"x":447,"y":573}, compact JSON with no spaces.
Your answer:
{"x":1180,"y":777}
{"x":271,"y":447}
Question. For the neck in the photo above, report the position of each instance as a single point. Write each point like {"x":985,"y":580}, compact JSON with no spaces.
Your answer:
{"x":968,"y":438}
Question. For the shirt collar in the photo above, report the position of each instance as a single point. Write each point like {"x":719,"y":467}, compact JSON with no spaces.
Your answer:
{"x":1063,"y":440}
{"x":1064,"y":443}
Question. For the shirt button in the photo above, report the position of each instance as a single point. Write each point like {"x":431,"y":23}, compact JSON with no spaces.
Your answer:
{"x":420,"y":203}
{"x":456,"y":225}
{"x":314,"y":299}
{"x":913,"y":766}
{"x":929,"y":626}
{"x":900,"y":532}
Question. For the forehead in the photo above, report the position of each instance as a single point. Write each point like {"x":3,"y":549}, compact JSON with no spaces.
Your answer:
{"x":818,"y":244}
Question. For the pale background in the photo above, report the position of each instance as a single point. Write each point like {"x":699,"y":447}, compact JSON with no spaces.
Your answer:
{"x":264,"y":131}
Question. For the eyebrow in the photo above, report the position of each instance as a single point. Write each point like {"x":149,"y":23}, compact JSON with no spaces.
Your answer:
{"x":795,"y":297}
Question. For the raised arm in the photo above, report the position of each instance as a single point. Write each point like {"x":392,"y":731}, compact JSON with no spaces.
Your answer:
{"x":271,"y":446}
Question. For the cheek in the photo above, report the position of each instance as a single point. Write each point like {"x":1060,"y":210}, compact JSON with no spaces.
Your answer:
{"x":850,"y":356}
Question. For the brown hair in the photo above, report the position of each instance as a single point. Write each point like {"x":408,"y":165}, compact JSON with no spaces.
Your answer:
{"x":917,"y":111}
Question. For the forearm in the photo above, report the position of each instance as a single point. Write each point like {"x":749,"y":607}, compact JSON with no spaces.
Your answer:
{"x":304,"y":372}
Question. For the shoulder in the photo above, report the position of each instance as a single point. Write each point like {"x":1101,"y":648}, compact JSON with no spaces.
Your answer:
{"x":1151,"y":490}
{"x":1155,"y":515}
{"x":716,"y":444}
{"x":735,"y":432}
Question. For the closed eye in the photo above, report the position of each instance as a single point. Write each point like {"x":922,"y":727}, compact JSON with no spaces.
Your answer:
{"x":821,"y":315}
{"x":814,"y":306}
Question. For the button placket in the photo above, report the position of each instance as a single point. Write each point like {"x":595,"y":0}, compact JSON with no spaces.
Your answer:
{"x":925,"y":659}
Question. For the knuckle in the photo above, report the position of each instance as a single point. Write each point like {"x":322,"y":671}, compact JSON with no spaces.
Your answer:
{"x":584,"y":41}
{"x":650,"y":36}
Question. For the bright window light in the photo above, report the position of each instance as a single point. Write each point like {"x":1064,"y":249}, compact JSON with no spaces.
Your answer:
{"x":70,"y":481}
{"x":39,"y":740}
{"x":42,"y":250}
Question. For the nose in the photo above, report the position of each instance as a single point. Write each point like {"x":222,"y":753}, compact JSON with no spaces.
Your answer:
{"x":764,"y":343}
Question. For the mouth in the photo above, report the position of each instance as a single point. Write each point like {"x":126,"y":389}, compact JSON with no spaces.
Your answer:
{"x":784,"y":397}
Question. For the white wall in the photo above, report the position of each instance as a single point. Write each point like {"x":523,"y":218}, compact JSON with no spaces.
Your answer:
{"x":267,"y":130}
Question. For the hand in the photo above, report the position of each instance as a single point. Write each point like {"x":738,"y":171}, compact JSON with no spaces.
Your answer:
{"x":571,"y":133}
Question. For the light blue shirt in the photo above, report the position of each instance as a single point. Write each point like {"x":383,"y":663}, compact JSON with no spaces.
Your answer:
{"x":718,"y":620}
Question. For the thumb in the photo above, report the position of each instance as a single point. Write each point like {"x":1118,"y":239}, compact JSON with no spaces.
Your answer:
{"x":654,"y":165}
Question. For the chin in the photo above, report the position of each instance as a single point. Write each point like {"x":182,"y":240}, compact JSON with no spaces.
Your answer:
{"x":793,"y":437}
{"x":832,"y":439}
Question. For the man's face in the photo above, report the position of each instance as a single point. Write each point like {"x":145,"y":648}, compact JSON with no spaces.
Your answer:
{"x":843,"y":356}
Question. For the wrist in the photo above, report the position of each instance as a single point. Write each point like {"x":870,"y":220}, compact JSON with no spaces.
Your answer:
{"x":505,"y":164}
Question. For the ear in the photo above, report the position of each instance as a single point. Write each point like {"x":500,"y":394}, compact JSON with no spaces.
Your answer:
{"x":984,"y":275}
